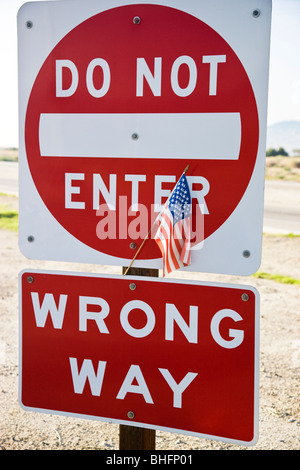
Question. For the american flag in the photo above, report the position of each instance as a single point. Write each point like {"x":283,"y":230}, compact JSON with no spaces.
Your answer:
{"x":173,"y":233}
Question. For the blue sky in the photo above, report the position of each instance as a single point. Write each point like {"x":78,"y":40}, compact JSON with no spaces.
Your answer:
{"x":284,"y":82}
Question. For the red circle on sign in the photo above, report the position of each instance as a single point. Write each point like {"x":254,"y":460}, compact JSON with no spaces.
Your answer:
{"x":111,"y":35}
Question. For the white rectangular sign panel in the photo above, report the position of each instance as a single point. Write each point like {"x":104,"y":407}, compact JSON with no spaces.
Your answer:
{"x":116,"y":100}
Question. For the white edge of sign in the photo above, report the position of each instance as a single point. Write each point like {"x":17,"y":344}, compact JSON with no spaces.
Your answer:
{"x":136,"y":423}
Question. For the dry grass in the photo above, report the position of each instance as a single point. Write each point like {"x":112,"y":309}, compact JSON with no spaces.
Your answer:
{"x":10,"y":155}
{"x":284,"y":168}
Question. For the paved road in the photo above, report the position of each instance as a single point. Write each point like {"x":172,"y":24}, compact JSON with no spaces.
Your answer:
{"x":282,"y":207}
{"x":9,"y":177}
{"x":282,"y":200}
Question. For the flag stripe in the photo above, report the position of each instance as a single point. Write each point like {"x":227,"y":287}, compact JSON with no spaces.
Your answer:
{"x":165,"y":239}
{"x":170,"y":256}
{"x":173,"y":233}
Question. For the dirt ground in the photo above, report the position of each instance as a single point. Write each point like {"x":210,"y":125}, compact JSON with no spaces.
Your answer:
{"x":279,"y":409}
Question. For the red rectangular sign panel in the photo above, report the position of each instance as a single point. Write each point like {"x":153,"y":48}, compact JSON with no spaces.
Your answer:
{"x":163,"y":354}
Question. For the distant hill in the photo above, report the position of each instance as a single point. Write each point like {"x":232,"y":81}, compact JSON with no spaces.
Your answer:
{"x":284,"y":134}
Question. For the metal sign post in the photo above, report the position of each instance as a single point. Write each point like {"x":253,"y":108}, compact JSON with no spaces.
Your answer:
{"x":132,"y":437}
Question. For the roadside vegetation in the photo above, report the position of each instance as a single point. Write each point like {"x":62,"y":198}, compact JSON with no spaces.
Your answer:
{"x":277,"y":278}
{"x":283,"y":168}
{"x":9,"y":219}
{"x":280,"y":165}
{"x":9,"y":154}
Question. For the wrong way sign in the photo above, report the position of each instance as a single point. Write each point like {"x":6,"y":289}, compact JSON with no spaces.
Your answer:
{"x":116,"y":101}
{"x":187,"y":363}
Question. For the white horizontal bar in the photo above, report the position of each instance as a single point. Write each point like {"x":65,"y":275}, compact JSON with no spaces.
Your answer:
{"x":212,"y":136}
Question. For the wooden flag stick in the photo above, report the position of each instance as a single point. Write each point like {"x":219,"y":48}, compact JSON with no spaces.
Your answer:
{"x":146,"y":237}
{"x":186,"y":169}
{"x":140,"y":247}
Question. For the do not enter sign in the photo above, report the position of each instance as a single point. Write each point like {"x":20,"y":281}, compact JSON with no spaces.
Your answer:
{"x":117,"y":103}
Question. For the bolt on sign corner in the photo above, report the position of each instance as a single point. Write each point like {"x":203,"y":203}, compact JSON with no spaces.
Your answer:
{"x":116,"y":101}
{"x":187,"y":364}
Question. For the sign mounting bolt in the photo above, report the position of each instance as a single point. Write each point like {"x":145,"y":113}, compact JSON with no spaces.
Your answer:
{"x":246,"y":253}
{"x":30,"y":279}
{"x":256,"y":13}
{"x":245,"y":297}
{"x":29,"y":24}
{"x":136,"y":20}
{"x":132,"y":286}
{"x":30,"y":238}
{"x":130,"y":414}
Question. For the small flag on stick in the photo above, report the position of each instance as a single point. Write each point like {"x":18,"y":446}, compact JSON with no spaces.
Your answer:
{"x":177,"y":251}
{"x":174,"y":230}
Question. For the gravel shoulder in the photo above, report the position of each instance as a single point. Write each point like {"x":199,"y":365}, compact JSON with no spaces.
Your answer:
{"x":279,"y":415}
